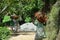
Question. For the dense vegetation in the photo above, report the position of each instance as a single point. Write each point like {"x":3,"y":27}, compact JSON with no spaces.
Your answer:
{"x":23,"y":8}
{"x":4,"y":33}
{"x":26,"y":9}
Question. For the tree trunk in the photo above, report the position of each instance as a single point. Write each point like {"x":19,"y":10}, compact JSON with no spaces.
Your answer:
{"x":52,"y":23}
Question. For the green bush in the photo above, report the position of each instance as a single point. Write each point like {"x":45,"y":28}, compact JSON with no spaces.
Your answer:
{"x":4,"y":33}
{"x":28,"y":19}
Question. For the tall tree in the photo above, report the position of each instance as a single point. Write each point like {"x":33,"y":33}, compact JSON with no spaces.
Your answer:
{"x":53,"y":23}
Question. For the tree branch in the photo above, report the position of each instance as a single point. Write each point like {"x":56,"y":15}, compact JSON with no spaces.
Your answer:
{"x":4,"y":9}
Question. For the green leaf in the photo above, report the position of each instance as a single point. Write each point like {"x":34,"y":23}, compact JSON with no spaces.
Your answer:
{"x":6,"y":19}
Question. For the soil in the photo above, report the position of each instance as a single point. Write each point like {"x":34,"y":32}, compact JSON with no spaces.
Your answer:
{"x":29,"y":36}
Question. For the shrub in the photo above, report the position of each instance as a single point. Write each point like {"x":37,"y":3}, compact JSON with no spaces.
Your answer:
{"x":4,"y":33}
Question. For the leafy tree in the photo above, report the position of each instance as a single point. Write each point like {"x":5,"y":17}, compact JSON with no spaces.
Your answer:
{"x":19,"y":7}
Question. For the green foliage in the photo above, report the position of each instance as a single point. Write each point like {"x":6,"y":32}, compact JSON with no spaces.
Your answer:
{"x":40,"y":4}
{"x":6,"y":19}
{"x":4,"y":33}
{"x":28,"y":19}
{"x":20,"y":7}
